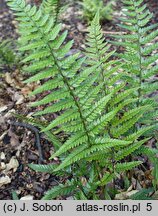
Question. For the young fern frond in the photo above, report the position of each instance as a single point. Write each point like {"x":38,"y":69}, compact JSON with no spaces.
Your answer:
{"x":139,"y":53}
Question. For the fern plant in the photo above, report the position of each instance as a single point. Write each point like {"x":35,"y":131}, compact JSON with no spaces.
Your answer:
{"x":7,"y":55}
{"x":110,"y":76}
{"x":90,"y":8}
{"x":140,"y":64}
{"x":95,"y":109}
{"x":139,"y":55}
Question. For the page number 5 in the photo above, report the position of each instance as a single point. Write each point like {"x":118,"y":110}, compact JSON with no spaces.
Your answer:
{"x":148,"y":207}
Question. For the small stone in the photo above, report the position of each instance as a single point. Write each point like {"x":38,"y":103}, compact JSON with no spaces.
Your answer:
{"x":8,"y":78}
{"x":4,"y":180}
{"x":3,"y":108}
{"x":125,"y":195}
{"x":13,"y":164}
{"x":56,"y":158}
{"x":27,"y":197}
{"x":70,"y":198}
{"x":3,"y":166}
{"x":2,"y":156}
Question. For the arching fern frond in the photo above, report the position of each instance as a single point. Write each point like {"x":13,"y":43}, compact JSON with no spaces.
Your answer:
{"x":139,"y":56}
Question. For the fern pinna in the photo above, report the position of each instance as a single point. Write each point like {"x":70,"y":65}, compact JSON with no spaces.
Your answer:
{"x":93,"y":112}
{"x":139,"y":55}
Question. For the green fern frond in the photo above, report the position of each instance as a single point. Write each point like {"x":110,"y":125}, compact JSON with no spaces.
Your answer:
{"x":98,"y":52}
{"x":60,"y":190}
{"x":139,"y":49}
{"x":139,"y":133}
{"x":82,"y":152}
{"x":66,"y":95}
{"x":121,"y":154}
{"x":121,"y":167}
{"x":43,"y":168}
